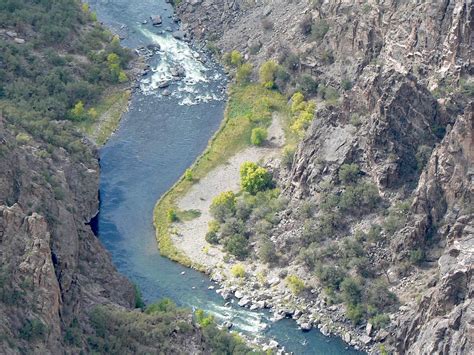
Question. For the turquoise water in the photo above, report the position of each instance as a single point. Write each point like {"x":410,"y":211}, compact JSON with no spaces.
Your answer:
{"x":157,"y":140}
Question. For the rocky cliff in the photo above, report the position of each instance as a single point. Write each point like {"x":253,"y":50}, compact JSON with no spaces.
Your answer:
{"x":394,"y":102}
{"x":54,"y":270}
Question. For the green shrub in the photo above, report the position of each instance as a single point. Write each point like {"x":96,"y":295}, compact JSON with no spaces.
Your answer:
{"x":397,"y":217}
{"x":267,"y":73}
{"x":360,"y":198}
{"x":417,"y":256}
{"x":375,"y":232}
{"x":238,"y":246}
{"x":212,"y":237}
{"x":380,"y":321}
{"x":258,"y":136}
{"x":349,"y":173}
{"x":379,"y":297}
{"x":238,"y":271}
{"x":351,"y":291}
{"x":236,"y":58}
{"x":232,"y":226}
{"x":295,"y":284}
{"x":307,"y":85}
{"x":328,"y":93}
{"x":22,"y":138}
{"x":138,"y":297}
{"x":254,"y":178}
{"x":330,"y":276}
{"x":244,"y":73}
{"x":266,"y":251}
{"x":288,"y":156}
{"x":223,"y":206}
{"x":203,"y":319}
{"x":33,"y":329}
{"x":291,"y":61}
{"x":188,"y":175}
{"x":346,"y":84}
{"x":355,"y":313}
{"x":163,"y":306}
{"x":171,"y":215}
{"x":319,"y":29}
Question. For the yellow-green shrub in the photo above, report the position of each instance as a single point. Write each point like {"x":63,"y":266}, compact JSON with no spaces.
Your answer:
{"x":238,"y":270}
{"x":295,"y":284}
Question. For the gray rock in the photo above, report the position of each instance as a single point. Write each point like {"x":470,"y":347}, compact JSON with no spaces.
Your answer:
{"x":368,"y":329}
{"x":179,"y":35}
{"x":365,"y":339}
{"x":156,"y":20}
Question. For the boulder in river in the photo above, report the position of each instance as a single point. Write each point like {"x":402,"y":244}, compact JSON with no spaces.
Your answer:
{"x":244,"y":302}
{"x":156,"y":20}
{"x":306,"y":327}
{"x":179,"y":35}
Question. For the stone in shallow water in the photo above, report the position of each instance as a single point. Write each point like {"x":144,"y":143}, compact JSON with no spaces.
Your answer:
{"x":156,"y":20}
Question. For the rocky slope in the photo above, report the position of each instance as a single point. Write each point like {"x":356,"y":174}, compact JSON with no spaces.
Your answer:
{"x":394,"y":98}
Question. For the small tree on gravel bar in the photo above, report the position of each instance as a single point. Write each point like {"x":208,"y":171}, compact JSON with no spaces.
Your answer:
{"x":254,"y":178}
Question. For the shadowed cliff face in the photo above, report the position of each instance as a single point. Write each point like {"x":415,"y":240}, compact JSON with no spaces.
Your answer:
{"x":442,"y":321}
{"x":406,"y":120}
{"x":53,"y":269}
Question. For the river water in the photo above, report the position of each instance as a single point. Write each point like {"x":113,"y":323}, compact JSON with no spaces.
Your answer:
{"x":158,"y":138}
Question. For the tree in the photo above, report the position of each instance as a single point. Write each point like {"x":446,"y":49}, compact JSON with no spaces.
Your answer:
{"x":267,"y":73}
{"x":296,"y":102}
{"x":223,"y":205}
{"x":259,"y":134}
{"x":254,"y":178}
{"x":236,"y":58}
{"x":78,"y":112}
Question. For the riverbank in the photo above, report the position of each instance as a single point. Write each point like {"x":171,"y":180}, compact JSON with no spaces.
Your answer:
{"x":249,"y":106}
{"x":110,"y":109}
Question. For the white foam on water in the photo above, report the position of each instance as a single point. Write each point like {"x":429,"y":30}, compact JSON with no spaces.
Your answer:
{"x":176,"y":53}
{"x":245,"y":320}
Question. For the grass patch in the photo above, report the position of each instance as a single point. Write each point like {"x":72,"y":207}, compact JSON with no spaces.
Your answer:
{"x":188,"y":215}
{"x":109,"y":112}
{"x":249,"y":106}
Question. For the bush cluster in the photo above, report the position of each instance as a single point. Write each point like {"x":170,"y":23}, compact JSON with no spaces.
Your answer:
{"x":302,"y":112}
{"x":245,"y":216}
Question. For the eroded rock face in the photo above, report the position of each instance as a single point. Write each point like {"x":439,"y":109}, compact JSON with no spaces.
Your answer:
{"x":53,"y":269}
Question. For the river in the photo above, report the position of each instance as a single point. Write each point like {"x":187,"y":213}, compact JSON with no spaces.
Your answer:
{"x":158,"y":138}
